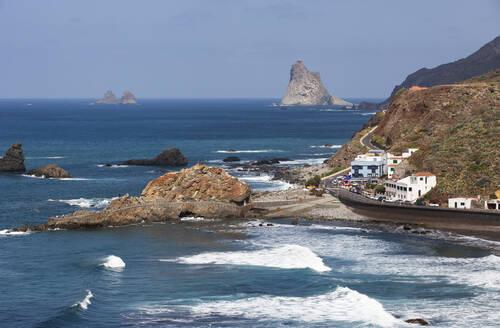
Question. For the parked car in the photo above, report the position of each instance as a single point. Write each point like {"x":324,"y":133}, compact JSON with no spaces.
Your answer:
{"x":434,"y":205}
{"x":420,"y":203}
{"x":381,"y":198}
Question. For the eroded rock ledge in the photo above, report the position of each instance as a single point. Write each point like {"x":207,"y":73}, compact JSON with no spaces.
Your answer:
{"x":204,"y":191}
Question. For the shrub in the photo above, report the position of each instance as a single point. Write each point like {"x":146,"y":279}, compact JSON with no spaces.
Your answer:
{"x":493,"y":196}
{"x":380,"y":189}
{"x":314,"y":181}
{"x":333,"y":171}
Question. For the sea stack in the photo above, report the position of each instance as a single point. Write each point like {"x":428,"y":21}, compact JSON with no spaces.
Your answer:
{"x":108,"y":99}
{"x":50,"y":171}
{"x":13,"y":161}
{"x":128,"y":98}
{"x":306,"y":89}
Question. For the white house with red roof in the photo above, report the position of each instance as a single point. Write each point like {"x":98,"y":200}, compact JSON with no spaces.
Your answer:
{"x":411,"y":188}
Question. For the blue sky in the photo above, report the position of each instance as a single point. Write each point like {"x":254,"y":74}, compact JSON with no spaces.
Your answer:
{"x":229,"y":48}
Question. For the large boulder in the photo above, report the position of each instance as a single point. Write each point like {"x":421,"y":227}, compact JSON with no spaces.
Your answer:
{"x":128,"y":98}
{"x":169,"y":157}
{"x":198,"y":191}
{"x":199,"y":182}
{"x":13,"y":161}
{"x":109,"y":98}
{"x":50,"y":171}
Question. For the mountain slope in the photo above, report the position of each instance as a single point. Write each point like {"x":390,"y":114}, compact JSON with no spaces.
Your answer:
{"x":486,"y":59}
{"x":455,"y":126}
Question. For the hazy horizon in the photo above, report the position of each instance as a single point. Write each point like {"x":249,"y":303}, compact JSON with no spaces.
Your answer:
{"x":229,"y":50}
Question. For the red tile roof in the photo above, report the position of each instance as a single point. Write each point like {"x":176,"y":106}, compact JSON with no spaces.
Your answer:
{"x":424,"y":174}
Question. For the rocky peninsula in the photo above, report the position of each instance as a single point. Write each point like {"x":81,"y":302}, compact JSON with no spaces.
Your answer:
{"x":306,"y":89}
{"x":199,"y":191}
{"x":13,"y":161}
{"x":169,"y":157}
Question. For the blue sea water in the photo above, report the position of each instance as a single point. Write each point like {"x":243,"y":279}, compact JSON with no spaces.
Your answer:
{"x":199,"y":273}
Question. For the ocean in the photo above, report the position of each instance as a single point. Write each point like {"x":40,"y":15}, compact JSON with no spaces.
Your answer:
{"x":213,"y":273}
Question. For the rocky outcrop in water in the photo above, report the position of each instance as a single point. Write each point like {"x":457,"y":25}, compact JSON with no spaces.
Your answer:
{"x":306,"y":89}
{"x":50,"y":171}
{"x":13,"y":161}
{"x":108,"y":99}
{"x":128,"y":98}
{"x":200,"y":191}
{"x":169,"y":157}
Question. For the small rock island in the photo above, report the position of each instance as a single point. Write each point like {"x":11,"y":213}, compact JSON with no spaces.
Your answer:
{"x":109,"y":98}
{"x":13,"y":161}
{"x":306,"y":89}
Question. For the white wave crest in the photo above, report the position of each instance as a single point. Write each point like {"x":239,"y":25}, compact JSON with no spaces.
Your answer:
{"x":371,"y":113}
{"x":249,"y":151}
{"x":113,"y":262}
{"x":327,"y":146}
{"x":8,"y":232}
{"x":331,"y":227}
{"x":112,"y":166}
{"x":84,"y":304}
{"x":285,"y":257}
{"x":86,"y":202}
{"x":43,"y":177}
{"x":257,"y":178}
{"x":311,"y":161}
{"x":193,"y":218}
{"x":46,"y":157}
{"x":342,"y":305}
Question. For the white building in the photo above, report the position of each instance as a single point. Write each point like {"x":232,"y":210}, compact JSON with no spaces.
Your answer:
{"x":492,"y":204}
{"x":369,"y":165}
{"x":411,"y":188}
{"x":460,"y":202}
{"x":393,"y":161}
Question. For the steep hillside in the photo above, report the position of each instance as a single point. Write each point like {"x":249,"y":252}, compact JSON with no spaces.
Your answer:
{"x":486,"y":59}
{"x":456,"y":127}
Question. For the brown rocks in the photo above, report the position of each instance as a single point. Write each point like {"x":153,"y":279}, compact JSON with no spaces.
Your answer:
{"x":417,"y":321}
{"x":169,"y":157}
{"x":199,"y":191}
{"x":199,"y":182}
{"x":50,"y":171}
{"x":13,"y":161}
{"x":306,"y":89}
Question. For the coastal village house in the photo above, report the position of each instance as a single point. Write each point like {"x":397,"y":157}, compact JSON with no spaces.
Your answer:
{"x":411,"y":188}
{"x":393,"y":161}
{"x":460,"y":202}
{"x":369,"y":165}
{"x":492,"y":204}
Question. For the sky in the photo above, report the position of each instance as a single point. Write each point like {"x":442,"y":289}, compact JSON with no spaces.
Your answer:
{"x":230,"y":48}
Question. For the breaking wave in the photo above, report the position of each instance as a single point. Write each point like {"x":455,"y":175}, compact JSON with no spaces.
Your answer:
{"x":84,"y":304}
{"x":342,"y":305}
{"x":285,"y":257}
{"x":113,"y":165}
{"x":193,"y":218}
{"x":327,"y":146}
{"x":46,"y":157}
{"x":43,"y":177}
{"x":86,"y":202}
{"x":311,"y":161}
{"x":8,"y":232}
{"x":249,"y":151}
{"x":113,"y":262}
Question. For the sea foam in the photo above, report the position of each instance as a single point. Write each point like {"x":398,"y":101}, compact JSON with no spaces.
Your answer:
{"x":86,"y":202}
{"x":285,"y":257}
{"x":249,"y":151}
{"x":341,"y":305}
{"x":84,"y":304}
{"x":8,"y":232}
{"x":113,"y":262}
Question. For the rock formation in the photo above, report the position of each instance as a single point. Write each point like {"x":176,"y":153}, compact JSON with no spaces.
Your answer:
{"x":169,"y":157}
{"x":108,"y":99}
{"x":484,"y":60}
{"x":306,"y":89}
{"x":128,"y":98}
{"x":13,"y":161}
{"x":50,"y":171}
{"x":198,"y":191}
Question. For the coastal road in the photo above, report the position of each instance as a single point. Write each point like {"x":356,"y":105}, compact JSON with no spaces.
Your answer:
{"x":366,"y":140}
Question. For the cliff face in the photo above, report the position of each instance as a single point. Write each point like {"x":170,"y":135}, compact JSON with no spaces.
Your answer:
{"x":306,"y":89}
{"x":484,"y":60}
{"x":457,"y":129}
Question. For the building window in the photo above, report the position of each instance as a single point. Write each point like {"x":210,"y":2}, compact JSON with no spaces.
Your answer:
{"x":463,"y":204}
{"x":392,"y":169}
{"x":409,"y":189}
{"x":395,"y":161}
